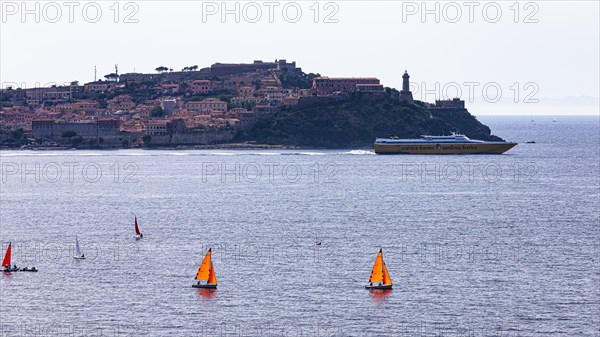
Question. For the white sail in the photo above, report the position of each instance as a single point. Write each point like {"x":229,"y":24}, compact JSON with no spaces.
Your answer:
{"x":77,"y":249}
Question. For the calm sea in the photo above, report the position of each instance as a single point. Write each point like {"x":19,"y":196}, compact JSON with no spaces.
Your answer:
{"x":499,"y":245}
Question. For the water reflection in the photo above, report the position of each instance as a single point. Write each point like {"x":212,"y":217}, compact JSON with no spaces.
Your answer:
{"x":206,"y":294}
{"x":380,"y":295}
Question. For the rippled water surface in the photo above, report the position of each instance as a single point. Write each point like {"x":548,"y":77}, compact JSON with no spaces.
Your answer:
{"x":499,"y":245}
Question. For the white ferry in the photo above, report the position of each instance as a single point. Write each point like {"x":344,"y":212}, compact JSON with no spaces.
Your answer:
{"x":454,"y":144}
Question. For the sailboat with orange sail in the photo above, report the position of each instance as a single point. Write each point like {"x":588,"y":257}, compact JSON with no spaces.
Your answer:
{"x":205,"y":277}
{"x":6,"y":262}
{"x":138,"y":234}
{"x":380,"y":278}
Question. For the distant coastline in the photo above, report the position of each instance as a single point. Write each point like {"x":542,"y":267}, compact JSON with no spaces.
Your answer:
{"x":225,"y":106}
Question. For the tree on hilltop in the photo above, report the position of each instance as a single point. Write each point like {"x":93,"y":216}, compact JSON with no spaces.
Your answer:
{"x":190,"y":68}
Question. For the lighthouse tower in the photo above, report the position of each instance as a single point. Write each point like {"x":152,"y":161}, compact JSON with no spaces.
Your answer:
{"x":405,"y":94}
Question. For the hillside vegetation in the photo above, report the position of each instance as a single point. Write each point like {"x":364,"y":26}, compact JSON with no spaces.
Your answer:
{"x":358,"y":120}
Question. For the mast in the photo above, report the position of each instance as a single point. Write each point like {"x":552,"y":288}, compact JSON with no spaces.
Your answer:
{"x":385,"y":276}
{"x":382,"y":263}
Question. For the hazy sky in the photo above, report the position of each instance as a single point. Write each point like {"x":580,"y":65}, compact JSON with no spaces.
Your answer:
{"x":552,"y":51}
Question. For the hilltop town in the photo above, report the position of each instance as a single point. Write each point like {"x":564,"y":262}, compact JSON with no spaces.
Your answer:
{"x":223,"y":103}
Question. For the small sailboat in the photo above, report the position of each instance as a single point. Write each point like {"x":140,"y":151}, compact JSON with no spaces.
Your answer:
{"x":78,"y":253}
{"x":380,"y":278}
{"x":6,"y":262}
{"x":206,"y":273}
{"x":138,"y":234}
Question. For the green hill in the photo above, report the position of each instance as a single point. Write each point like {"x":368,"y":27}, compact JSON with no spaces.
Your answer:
{"x":358,"y":120}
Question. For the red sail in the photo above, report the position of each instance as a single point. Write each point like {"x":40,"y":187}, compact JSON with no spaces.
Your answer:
{"x":137,"y":229}
{"x":6,"y":261}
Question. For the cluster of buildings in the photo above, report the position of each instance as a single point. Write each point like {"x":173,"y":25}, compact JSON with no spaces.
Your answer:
{"x":187,"y":107}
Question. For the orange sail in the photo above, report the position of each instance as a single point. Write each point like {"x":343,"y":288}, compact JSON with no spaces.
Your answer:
{"x":212,"y":278}
{"x":6,"y":261}
{"x":204,"y":270}
{"x":137,"y":229}
{"x":377,"y":272}
{"x":386,"y":276}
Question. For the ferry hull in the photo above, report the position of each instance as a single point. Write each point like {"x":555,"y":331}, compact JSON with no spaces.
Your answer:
{"x":466,"y":148}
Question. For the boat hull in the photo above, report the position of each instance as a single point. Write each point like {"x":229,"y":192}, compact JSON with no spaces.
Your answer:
{"x":440,"y":148}
{"x":205,"y":286}
{"x":79,"y":257}
{"x":382,"y":287}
